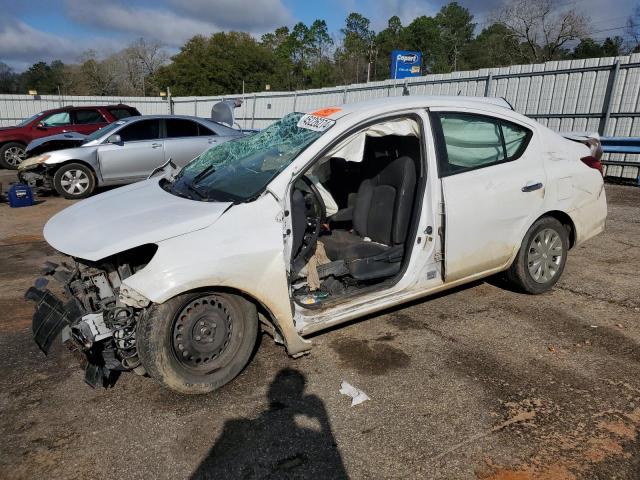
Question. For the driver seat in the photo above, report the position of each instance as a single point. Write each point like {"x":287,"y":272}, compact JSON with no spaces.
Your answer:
{"x":381,"y":216}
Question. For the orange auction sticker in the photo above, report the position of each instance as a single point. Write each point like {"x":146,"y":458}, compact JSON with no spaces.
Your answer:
{"x":326,"y":112}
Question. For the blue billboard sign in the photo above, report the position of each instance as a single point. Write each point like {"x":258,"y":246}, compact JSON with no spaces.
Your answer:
{"x":405,"y":63}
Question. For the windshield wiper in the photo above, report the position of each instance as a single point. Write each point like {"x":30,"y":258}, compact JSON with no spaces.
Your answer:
{"x":204,"y":173}
{"x":193,"y":189}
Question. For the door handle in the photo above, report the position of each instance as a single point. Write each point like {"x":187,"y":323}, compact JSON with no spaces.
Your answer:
{"x":156,"y":145}
{"x":533,"y":187}
{"x":213,"y":140}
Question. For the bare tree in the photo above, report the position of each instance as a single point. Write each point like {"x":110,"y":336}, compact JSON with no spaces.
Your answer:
{"x":541,"y":27}
{"x":142,"y":60}
{"x":99,"y":77}
{"x":633,"y":30}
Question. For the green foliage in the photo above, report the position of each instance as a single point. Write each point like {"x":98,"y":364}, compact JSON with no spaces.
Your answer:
{"x":43,"y":77}
{"x":589,"y":48}
{"x":219,"y":64}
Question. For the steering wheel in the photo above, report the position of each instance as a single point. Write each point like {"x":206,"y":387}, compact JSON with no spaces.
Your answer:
{"x":314,"y":218}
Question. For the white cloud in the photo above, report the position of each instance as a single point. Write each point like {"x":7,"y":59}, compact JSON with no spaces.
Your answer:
{"x":19,"y":41}
{"x":175,"y":23}
{"x":244,"y":15}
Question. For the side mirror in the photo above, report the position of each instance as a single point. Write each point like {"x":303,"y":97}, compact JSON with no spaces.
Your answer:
{"x":41,"y":126}
{"x":115,"y":138}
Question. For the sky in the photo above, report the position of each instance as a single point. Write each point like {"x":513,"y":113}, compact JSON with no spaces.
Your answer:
{"x":44,"y":30}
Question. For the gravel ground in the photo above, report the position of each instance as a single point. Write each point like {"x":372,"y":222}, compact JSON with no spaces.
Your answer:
{"x":480,"y":382}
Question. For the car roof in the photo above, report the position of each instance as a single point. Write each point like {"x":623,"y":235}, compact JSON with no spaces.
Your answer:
{"x":494,"y":104}
{"x":68,"y":108}
{"x":159,"y":117}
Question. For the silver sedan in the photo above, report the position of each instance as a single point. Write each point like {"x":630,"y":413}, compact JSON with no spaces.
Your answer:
{"x":123,"y":152}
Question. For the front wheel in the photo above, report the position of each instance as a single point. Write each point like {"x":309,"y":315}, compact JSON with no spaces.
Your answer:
{"x":196,"y":343}
{"x":11,"y":155}
{"x":541,"y":258}
{"x":74,"y":181}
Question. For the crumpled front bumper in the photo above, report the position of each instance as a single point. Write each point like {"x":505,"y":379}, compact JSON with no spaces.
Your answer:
{"x":53,"y":317}
{"x":37,"y":179}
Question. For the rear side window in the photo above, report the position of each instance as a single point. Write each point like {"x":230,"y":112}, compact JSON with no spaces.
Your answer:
{"x":120,"y":113}
{"x":88,"y":116}
{"x":204,"y":131}
{"x":177,"y":128}
{"x":468,"y":142}
{"x":142,"y":130}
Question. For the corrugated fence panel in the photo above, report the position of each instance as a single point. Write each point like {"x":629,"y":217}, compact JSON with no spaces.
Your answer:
{"x":597,"y":94}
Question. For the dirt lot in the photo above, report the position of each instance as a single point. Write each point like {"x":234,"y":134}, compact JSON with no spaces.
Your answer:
{"x":477,"y":383}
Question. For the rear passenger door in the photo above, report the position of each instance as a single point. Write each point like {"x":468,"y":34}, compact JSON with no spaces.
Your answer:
{"x":186,"y":139}
{"x":87,"y":120}
{"x":141,"y":150}
{"x":493,"y":187}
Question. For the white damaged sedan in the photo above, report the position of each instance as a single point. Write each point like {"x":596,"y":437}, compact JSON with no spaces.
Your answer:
{"x":318,"y":219}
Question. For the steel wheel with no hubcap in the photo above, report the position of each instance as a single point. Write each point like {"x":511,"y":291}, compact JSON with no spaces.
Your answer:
{"x":201,"y":333}
{"x":74,"y":182}
{"x":14,"y":156}
{"x":545,"y":255}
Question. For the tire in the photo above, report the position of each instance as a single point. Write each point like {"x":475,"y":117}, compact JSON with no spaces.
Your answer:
{"x":11,"y":155}
{"x":173,"y":352}
{"x":548,"y":241}
{"x":74,"y":181}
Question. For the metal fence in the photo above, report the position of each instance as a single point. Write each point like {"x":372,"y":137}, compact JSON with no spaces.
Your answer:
{"x":592,"y":95}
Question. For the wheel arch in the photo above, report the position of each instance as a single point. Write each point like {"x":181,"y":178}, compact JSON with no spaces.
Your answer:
{"x":290,"y":338}
{"x":566,"y":220}
{"x":57,"y":166}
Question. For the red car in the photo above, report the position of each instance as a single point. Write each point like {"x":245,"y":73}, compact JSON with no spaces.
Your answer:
{"x":85,"y":120}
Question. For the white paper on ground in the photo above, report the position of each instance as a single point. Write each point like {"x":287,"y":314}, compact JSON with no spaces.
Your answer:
{"x":357,"y":396}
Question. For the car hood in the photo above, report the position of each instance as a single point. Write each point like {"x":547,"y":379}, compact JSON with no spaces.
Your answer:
{"x":55,"y":142}
{"x":125,"y":218}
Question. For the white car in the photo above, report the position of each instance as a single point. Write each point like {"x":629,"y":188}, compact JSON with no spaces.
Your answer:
{"x":316,"y":220}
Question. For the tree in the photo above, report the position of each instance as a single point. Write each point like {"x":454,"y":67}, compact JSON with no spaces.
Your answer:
{"x":139,"y":63}
{"x":456,"y":32}
{"x":541,"y":28}
{"x":8,"y":79}
{"x":98,"y":77}
{"x":423,"y":34}
{"x":47,"y":79}
{"x":493,"y":47}
{"x":391,"y":38}
{"x":355,"y":55}
{"x":633,"y":30}
{"x":219,"y":64}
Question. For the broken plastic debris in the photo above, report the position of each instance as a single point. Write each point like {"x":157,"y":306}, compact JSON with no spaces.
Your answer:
{"x":357,"y":396}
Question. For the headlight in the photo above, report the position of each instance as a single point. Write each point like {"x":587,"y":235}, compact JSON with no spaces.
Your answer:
{"x":33,"y":161}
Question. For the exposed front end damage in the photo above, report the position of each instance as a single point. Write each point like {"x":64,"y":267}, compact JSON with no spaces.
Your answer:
{"x":38,"y":178}
{"x":96,"y":321}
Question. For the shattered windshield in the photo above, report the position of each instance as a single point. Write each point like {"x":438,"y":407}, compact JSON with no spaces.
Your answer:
{"x":240,"y":169}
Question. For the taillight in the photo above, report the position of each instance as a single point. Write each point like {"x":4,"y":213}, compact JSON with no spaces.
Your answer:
{"x":593,"y":163}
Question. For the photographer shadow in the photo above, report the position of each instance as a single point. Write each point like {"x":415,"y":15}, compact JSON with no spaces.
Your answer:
{"x":292,"y":439}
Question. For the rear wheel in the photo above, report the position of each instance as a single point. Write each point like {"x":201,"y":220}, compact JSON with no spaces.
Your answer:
{"x":196,"y":343}
{"x":541,"y":258}
{"x":11,"y":155}
{"x":74,"y":181}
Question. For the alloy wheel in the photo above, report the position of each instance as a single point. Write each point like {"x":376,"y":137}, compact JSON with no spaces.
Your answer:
{"x":75,"y":182}
{"x":14,"y":156}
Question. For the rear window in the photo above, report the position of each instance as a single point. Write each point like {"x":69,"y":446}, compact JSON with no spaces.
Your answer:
{"x":120,"y":113}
